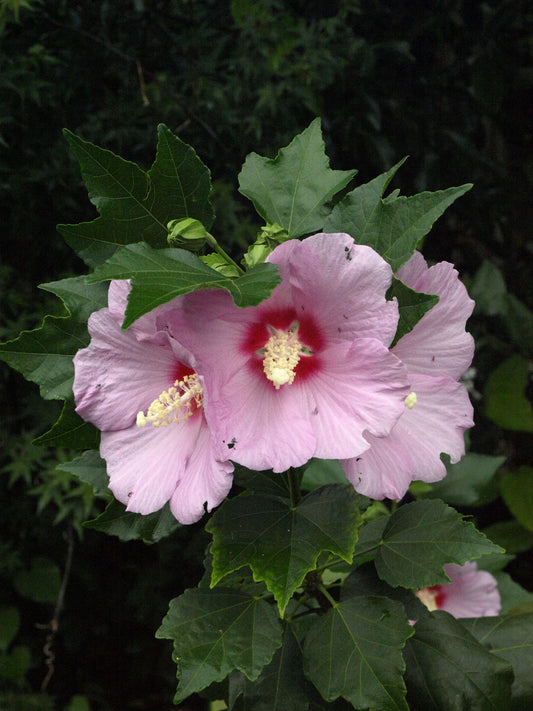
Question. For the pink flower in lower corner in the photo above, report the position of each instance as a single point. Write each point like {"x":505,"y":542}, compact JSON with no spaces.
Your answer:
{"x":308,"y":371}
{"x":438,"y":410}
{"x":470,"y":593}
{"x":140,"y":389}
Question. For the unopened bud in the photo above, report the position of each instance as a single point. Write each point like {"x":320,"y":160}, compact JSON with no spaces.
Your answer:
{"x":187,"y":233}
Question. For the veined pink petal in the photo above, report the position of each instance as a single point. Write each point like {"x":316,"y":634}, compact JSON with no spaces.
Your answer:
{"x":206,"y":481}
{"x":343,"y":284}
{"x":412,"y":449}
{"x":149,"y":466}
{"x":359,"y":388}
{"x":438,"y":344}
{"x":116,"y":376}
{"x":470,"y":593}
{"x":259,"y":427}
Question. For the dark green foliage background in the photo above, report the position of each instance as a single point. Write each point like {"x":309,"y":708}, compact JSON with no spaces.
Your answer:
{"x":449,"y":83}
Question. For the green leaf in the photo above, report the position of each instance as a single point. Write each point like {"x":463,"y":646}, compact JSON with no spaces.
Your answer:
{"x":157,"y":276}
{"x":354,"y":651}
{"x":369,"y":538}
{"x":281,"y":543}
{"x":44,"y":355}
{"x":412,"y":306}
{"x":128,"y":526}
{"x":365,"y":581}
{"x":135,"y":206}
{"x":90,"y":468}
{"x":512,"y":595}
{"x":70,"y":431}
{"x":510,"y":638}
{"x":41,"y":582}
{"x":420,"y":538}
{"x":505,"y":402}
{"x":78,"y":296}
{"x":294,"y":188}
{"x":217,"y":631}
{"x":448,"y":670}
{"x":263,"y":482}
{"x":488,"y":290}
{"x":510,"y":535}
{"x":394,"y":226}
{"x":281,"y":686}
{"x":9,"y":626}
{"x":320,"y":472}
{"x":517,"y":492}
{"x":467,"y":483}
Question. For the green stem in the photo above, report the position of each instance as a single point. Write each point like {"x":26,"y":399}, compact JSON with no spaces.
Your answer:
{"x":326,"y":594}
{"x":211,"y":241}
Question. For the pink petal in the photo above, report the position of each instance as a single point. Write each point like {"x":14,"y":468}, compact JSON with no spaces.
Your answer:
{"x":438,"y":344}
{"x":116,"y":376}
{"x":205,"y":483}
{"x":148,"y":466}
{"x":342,"y":284}
{"x":412,"y":450}
{"x":471,"y":592}
{"x":359,"y":387}
{"x":260,"y":427}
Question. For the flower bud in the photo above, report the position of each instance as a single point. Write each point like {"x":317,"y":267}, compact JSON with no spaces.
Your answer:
{"x":187,"y":233}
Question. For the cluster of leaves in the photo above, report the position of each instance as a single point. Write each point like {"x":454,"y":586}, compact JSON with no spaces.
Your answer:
{"x":306,"y":583}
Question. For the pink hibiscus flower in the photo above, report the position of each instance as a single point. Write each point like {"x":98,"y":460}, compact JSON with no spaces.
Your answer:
{"x":438,"y":411}
{"x":471,"y":593}
{"x":139,"y":387}
{"x":307,"y":371}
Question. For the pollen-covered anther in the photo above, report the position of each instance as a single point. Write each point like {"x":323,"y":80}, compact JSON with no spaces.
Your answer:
{"x":411,"y":400}
{"x":176,"y":404}
{"x":281,"y":356}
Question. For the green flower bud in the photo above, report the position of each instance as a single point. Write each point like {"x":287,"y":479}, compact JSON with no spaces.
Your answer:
{"x":268,"y":238}
{"x":187,"y":233}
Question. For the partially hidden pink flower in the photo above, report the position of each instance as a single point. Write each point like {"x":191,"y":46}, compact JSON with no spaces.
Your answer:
{"x":438,"y":410}
{"x":306,"y":372}
{"x":470,"y":593}
{"x":140,"y":388}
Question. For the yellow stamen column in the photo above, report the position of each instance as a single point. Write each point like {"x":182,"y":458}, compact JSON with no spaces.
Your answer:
{"x":174,"y":404}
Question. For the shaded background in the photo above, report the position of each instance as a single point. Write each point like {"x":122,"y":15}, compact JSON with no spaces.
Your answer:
{"x":448,"y":83}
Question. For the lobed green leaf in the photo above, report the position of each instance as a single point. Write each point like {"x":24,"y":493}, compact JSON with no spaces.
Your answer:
{"x":281,"y":686}
{"x":449,"y":670}
{"x":355,"y":651}
{"x":412,"y":305}
{"x":510,"y":638}
{"x":420,"y":538}
{"x":135,"y":206}
{"x":294,"y":188}
{"x":128,"y":526}
{"x":159,"y":275}
{"x":70,"y":431}
{"x":393,"y":226}
{"x":217,"y":631}
{"x":44,"y":355}
{"x":282,"y":543}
